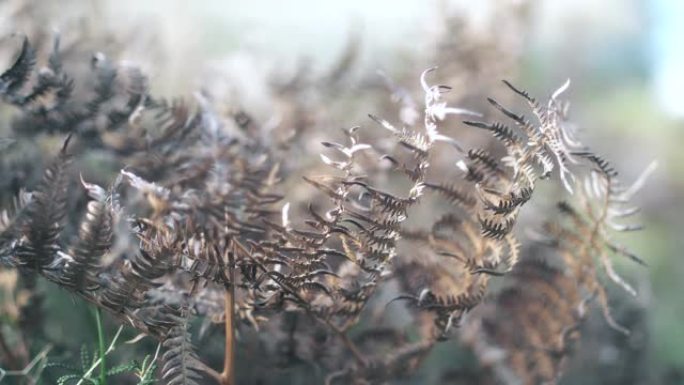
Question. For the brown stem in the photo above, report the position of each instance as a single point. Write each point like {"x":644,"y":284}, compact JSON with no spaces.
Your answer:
{"x":228,"y":374}
{"x":210,"y":372}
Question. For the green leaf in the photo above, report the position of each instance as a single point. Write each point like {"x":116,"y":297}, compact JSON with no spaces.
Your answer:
{"x":123,"y":368}
{"x":85,"y":358}
{"x":63,"y":380}
{"x":59,"y":365}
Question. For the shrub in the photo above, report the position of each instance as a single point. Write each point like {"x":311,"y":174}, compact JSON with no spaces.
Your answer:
{"x":194,"y":225}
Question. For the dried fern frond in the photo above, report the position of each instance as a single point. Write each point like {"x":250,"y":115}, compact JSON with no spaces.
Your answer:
{"x":180,"y":365}
{"x":525,"y":336}
{"x":39,"y":244}
{"x":95,"y":239}
{"x":13,"y":79}
{"x":194,"y":225}
{"x":585,"y":241}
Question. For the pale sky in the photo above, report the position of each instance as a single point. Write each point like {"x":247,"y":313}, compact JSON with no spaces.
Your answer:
{"x":289,"y":30}
{"x":669,"y":55}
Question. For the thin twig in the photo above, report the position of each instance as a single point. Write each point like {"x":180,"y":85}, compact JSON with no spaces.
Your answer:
{"x":24,"y":372}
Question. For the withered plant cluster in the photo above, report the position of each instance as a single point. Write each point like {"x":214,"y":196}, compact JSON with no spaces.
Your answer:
{"x":193,"y":225}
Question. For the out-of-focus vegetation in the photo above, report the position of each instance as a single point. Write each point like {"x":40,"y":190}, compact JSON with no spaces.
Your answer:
{"x":314,"y":66}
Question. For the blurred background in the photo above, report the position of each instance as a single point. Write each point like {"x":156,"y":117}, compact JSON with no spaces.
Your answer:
{"x":625,"y":59}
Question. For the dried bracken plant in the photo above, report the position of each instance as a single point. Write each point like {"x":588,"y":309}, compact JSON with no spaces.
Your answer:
{"x":526,"y":335}
{"x":193,"y":225}
{"x":477,"y":236}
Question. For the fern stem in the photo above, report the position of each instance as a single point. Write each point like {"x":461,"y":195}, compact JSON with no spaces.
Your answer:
{"x":101,"y":346}
{"x":209,"y":371}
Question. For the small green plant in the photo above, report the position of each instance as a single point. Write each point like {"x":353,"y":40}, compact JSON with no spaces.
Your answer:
{"x":94,"y":371}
